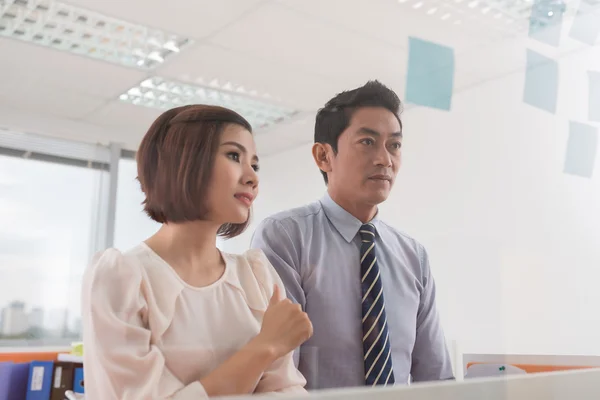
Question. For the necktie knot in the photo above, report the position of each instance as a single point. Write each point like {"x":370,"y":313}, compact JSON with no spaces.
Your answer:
{"x":367,"y":233}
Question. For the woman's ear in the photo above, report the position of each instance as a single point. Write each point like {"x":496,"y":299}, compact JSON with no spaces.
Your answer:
{"x":322,"y":154}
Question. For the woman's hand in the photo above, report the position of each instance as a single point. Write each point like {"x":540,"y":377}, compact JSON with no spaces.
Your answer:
{"x":285,"y":326}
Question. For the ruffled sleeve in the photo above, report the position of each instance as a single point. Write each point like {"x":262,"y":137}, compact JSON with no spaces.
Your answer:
{"x":120,"y":360}
{"x":282,"y":376}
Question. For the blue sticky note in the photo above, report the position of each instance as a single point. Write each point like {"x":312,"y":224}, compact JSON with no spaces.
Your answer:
{"x":586,"y":25}
{"x":594,"y":96}
{"x":581,"y":150}
{"x":541,"y":82}
{"x":430,"y":77}
{"x":545,"y":21}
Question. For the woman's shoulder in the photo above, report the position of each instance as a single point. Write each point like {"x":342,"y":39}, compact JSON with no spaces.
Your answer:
{"x":259,"y":264}
{"x":113,"y":262}
{"x":132,"y":268}
{"x":256,"y":275}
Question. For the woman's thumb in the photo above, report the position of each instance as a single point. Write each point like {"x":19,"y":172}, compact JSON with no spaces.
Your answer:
{"x":275,"y":297}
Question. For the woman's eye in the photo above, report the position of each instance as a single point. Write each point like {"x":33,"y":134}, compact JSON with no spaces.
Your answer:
{"x":256,"y":168}
{"x":234,"y":156}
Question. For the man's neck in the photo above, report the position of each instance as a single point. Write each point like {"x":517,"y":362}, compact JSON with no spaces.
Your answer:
{"x":363,"y":212}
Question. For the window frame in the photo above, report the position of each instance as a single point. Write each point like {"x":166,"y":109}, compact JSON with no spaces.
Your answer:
{"x":77,"y":154}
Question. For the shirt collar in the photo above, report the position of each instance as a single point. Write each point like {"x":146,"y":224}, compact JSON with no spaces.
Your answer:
{"x":344,"y":222}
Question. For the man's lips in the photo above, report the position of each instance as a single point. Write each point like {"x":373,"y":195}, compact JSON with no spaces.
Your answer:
{"x":380,"y":177}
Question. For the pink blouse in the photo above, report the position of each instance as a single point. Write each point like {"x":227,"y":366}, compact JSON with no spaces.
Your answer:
{"x":149,"y":335}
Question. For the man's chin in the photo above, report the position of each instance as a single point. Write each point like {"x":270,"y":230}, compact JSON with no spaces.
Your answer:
{"x":378,"y":196}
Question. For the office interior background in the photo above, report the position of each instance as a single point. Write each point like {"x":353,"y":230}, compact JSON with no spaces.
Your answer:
{"x":500,"y":179}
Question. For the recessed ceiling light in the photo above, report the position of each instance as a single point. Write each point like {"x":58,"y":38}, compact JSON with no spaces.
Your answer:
{"x":79,"y":31}
{"x":163,"y":94}
{"x":418,"y":5}
{"x":473,"y":4}
{"x":446,"y":16}
{"x":432,"y":10}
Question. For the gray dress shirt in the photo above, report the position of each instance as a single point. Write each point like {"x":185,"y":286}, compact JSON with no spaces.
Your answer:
{"x":315,"y":249}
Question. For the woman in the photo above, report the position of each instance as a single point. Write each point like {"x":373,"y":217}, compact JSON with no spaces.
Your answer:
{"x":174,"y":317}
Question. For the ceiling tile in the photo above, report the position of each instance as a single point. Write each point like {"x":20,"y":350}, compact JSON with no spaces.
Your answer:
{"x":283,"y":36}
{"x":53,"y":101}
{"x":195,"y":19}
{"x":390,"y":22}
{"x":29,"y":62}
{"x":205,"y":63}
{"x":135,"y":119}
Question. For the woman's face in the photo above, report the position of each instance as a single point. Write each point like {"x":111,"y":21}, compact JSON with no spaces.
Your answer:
{"x":234,"y":182}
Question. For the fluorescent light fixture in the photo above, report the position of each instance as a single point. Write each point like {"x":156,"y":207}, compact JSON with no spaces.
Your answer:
{"x":79,"y":31}
{"x":164,"y":94}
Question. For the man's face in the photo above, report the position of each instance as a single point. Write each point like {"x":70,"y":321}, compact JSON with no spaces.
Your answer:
{"x":368,"y":157}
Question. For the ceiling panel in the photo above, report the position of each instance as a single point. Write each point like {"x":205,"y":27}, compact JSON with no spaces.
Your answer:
{"x":29,"y":62}
{"x":122,"y":115}
{"x":195,"y":19}
{"x":50,"y":100}
{"x":284,"y":36}
{"x":206,"y":63}
{"x":391,"y":22}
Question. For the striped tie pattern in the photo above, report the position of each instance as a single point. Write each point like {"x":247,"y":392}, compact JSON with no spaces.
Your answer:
{"x":376,"y":338}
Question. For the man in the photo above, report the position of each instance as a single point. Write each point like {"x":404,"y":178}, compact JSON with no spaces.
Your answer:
{"x":366,"y":287}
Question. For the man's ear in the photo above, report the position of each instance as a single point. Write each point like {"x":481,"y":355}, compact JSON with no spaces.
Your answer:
{"x":322,"y":153}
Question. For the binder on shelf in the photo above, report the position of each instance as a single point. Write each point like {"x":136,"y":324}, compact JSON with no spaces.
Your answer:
{"x":78,"y":386}
{"x":62,"y":379}
{"x":39,"y":384}
{"x":13,"y":380}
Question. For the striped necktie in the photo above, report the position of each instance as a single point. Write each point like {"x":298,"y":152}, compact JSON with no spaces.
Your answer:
{"x":376,"y":338}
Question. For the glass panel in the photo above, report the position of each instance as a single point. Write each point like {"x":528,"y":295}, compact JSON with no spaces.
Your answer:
{"x":49,"y":230}
{"x":132,"y":225}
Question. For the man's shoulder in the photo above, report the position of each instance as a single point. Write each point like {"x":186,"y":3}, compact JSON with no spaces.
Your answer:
{"x":404,"y":238}
{"x":294,"y":216}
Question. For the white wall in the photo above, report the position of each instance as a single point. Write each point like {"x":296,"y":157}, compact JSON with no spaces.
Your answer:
{"x":514,"y":242}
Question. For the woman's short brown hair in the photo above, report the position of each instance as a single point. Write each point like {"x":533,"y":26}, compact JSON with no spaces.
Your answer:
{"x":175,"y":161}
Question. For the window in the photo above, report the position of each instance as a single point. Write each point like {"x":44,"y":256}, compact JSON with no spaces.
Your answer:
{"x":132,"y":225}
{"x":49,"y":231}
{"x":56,"y":203}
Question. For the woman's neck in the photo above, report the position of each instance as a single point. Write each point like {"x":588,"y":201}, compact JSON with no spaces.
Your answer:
{"x":190,"y":249}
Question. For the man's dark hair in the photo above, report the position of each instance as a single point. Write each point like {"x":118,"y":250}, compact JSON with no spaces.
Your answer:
{"x":335,"y":116}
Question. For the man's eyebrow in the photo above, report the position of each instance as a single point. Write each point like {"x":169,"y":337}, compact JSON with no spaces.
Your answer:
{"x":373,"y":132}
